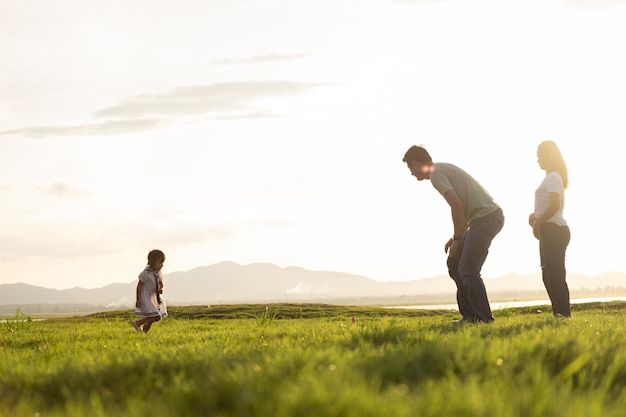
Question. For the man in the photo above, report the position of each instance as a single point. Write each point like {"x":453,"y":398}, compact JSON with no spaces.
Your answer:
{"x":477,"y":220}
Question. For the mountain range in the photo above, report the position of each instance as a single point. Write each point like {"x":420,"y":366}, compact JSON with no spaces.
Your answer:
{"x":229,"y":283}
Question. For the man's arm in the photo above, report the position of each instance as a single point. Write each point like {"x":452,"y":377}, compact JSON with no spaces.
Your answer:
{"x":458,"y":218}
{"x":460,"y":224}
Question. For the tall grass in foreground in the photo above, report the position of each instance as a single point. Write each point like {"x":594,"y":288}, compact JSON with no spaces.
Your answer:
{"x":521,"y":365}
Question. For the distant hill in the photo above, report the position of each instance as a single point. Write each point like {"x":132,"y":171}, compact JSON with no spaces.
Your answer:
{"x":228,"y":282}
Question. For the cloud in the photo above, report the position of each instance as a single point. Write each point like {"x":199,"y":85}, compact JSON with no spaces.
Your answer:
{"x":74,"y":238}
{"x":61,"y":190}
{"x":185,"y":234}
{"x":106,"y":128}
{"x":57,"y":189}
{"x":137,"y":113}
{"x":418,"y":1}
{"x":66,"y":240}
{"x":233,"y":96}
{"x":302,"y":288}
{"x":261,"y":59}
{"x":579,"y":4}
{"x":255,"y":115}
{"x":594,"y":4}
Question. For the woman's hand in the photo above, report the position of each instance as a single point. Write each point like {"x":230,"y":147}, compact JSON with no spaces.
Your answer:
{"x":531,"y":219}
{"x":537,"y":229}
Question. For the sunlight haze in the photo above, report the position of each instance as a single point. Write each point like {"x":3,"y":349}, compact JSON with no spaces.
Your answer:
{"x":274,"y":131}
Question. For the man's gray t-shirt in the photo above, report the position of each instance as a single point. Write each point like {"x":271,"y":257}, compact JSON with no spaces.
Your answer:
{"x":476,"y":200}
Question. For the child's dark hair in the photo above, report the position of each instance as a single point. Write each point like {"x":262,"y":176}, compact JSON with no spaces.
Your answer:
{"x":155,"y":256}
{"x":418,"y":154}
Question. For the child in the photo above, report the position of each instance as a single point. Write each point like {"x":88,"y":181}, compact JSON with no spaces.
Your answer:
{"x":149,"y":305}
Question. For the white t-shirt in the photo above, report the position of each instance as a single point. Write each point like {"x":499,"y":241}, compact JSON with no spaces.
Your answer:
{"x":552,"y":183}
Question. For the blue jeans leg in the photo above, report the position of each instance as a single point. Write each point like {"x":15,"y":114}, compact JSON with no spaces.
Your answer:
{"x":462,"y":293}
{"x":475,"y":243}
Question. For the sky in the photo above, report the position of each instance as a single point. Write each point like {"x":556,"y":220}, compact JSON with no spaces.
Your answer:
{"x":273,"y":131}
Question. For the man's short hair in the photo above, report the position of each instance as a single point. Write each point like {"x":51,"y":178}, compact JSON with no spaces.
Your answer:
{"x":417,"y":153}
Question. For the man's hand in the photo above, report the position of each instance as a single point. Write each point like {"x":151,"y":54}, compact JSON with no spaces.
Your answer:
{"x":531,"y":219}
{"x":138,"y":304}
{"x":455,"y":248}
{"x":449,"y":244}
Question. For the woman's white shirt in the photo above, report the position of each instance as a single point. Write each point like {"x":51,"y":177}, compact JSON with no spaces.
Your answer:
{"x":552,"y":183}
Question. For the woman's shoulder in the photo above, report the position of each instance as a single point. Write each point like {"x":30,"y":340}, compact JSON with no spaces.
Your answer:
{"x":553,"y":182}
{"x":554,"y":176}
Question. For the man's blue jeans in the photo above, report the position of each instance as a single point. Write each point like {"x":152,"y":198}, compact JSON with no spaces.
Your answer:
{"x":471,"y":294}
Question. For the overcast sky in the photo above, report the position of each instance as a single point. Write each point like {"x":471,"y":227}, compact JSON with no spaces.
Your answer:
{"x":274,"y":131}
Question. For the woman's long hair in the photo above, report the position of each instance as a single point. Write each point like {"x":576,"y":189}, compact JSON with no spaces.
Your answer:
{"x":553,"y":154}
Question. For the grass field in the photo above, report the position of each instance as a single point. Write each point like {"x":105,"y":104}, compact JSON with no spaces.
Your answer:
{"x":313,"y":360}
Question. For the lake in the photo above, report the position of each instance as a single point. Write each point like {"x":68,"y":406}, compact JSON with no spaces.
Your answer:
{"x":511,"y":304}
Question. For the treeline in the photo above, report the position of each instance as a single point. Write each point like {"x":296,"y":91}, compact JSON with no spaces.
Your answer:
{"x":11,"y":310}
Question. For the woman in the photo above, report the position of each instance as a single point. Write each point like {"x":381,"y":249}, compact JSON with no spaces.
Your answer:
{"x":550,"y":227}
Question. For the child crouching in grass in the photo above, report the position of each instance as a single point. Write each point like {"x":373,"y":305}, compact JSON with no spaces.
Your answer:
{"x":149,"y":305}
